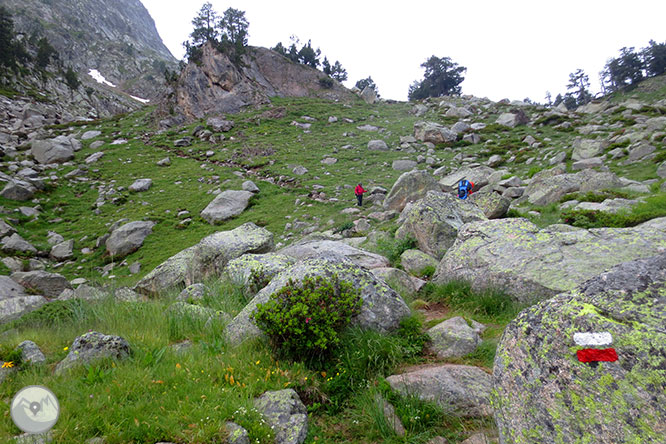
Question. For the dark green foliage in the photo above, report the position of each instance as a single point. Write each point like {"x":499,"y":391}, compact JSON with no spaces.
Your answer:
{"x":392,"y":249}
{"x":344,"y":227}
{"x":338,"y":72}
{"x":6,"y":38}
{"x":13,"y":355}
{"x":416,"y":415}
{"x":655,"y":58}
{"x":228,"y":34}
{"x":233,"y":32}
{"x":56,"y":313}
{"x":361,"y":84}
{"x":72,"y":79}
{"x":578,"y":87}
{"x":427,"y":272}
{"x":365,"y":355}
{"x":304,"y":321}
{"x":205,"y":29}
{"x":595,"y":196}
{"x":623,"y":71}
{"x":660,"y":157}
{"x":326,"y":82}
{"x":308,"y":56}
{"x":533,"y":170}
{"x":44,"y":53}
{"x":442,"y":77}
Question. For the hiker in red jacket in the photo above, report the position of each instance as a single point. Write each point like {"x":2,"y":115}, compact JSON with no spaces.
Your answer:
{"x":359,"y":194}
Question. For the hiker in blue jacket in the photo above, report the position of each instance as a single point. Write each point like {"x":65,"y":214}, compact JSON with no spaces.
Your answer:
{"x":465,"y":188}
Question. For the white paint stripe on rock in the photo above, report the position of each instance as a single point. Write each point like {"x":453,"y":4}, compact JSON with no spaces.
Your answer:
{"x":591,"y":339}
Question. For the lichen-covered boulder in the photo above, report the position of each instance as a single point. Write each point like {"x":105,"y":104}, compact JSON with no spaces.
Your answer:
{"x":434,"y":221}
{"x":381,"y":310}
{"x":399,"y":280}
{"x":286,"y":414}
{"x":409,"y":187}
{"x":312,"y":248}
{"x":460,"y":390}
{"x":550,"y":189}
{"x":543,"y":393}
{"x":493,"y":205}
{"x":208,"y":257}
{"x":416,"y":261}
{"x":480,"y":175}
{"x":453,"y":338}
{"x":264,"y":266}
{"x":434,"y":133}
{"x":532,"y":264}
{"x":92,"y":346}
{"x":587,"y":148}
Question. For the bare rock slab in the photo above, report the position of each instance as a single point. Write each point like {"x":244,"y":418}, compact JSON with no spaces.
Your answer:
{"x":286,"y":414}
{"x":459,"y":389}
{"x":226,"y":205}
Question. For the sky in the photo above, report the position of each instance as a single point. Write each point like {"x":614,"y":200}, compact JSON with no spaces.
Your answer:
{"x":512,"y":49}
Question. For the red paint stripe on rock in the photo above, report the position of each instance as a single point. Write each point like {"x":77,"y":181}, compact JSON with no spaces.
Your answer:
{"x":596,"y":355}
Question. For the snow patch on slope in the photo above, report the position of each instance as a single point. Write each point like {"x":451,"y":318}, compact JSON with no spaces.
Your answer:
{"x":99,"y":77}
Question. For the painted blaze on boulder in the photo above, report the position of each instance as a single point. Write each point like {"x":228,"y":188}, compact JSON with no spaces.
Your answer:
{"x":543,"y":394}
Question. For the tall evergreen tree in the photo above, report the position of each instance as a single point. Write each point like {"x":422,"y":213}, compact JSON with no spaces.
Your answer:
{"x":204,"y":23}
{"x":655,"y":58}
{"x":233,"y":28}
{"x":308,"y":56}
{"x":363,"y":83}
{"x":442,"y":77}
{"x":7,"y":56}
{"x":578,"y":88}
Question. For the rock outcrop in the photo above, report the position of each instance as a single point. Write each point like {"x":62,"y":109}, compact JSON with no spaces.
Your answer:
{"x":545,"y":394}
{"x":217,"y":86}
{"x":208,"y":257}
{"x":533,"y":264}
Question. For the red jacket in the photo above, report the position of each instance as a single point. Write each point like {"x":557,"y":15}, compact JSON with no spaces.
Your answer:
{"x":359,"y":190}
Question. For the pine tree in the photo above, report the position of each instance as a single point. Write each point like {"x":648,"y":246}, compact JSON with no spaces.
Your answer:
{"x":578,"y":86}
{"x":204,"y":26}
{"x":442,"y":77}
{"x":7,"y":56}
{"x":338,"y":72}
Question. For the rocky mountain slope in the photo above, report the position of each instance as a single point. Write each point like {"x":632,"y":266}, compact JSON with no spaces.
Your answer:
{"x":103,"y":215}
{"x":116,"y":38}
{"x":216,"y":85}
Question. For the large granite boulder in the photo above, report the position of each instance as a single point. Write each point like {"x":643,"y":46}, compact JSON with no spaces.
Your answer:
{"x":18,"y":190}
{"x":460,"y":390}
{"x":16,"y":244}
{"x":226,"y":205}
{"x":493,"y":205}
{"x":307,"y":249}
{"x":409,"y":187}
{"x":93,"y":346}
{"x":14,"y":302}
{"x":128,"y":238}
{"x":434,"y":133}
{"x":533,"y":264}
{"x":587,"y":148}
{"x":550,"y":186}
{"x":52,"y":151}
{"x":286,"y":414}
{"x":434,"y":221}
{"x":47,"y":284}
{"x":264,"y":266}
{"x":453,"y":338}
{"x":382,"y":307}
{"x":208,"y":257}
{"x":543,"y":393}
{"x":480,"y":175}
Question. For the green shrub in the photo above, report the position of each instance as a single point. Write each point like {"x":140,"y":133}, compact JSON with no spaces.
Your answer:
{"x":56,"y":313}
{"x":344,"y":227}
{"x":326,"y":82}
{"x":427,"y":272}
{"x":306,"y":320}
{"x":660,"y":157}
{"x":13,"y":355}
{"x":392,"y":249}
{"x":533,"y":170}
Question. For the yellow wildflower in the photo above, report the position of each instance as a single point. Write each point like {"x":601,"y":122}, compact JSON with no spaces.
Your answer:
{"x":9,"y":364}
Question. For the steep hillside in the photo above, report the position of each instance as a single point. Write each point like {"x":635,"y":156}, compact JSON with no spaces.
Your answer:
{"x":104,"y":222}
{"x":117,"y":38}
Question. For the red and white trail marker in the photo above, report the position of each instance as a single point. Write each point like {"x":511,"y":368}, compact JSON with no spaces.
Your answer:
{"x":595,"y":339}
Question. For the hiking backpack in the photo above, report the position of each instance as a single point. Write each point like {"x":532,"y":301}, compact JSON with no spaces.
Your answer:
{"x":463,"y":188}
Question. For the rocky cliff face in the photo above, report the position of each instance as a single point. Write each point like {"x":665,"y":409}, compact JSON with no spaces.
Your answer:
{"x":216,"y":85}
{"x":116,"y":37}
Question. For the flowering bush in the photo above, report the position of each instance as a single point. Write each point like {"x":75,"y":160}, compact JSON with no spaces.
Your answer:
{"x":304,"y":321}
